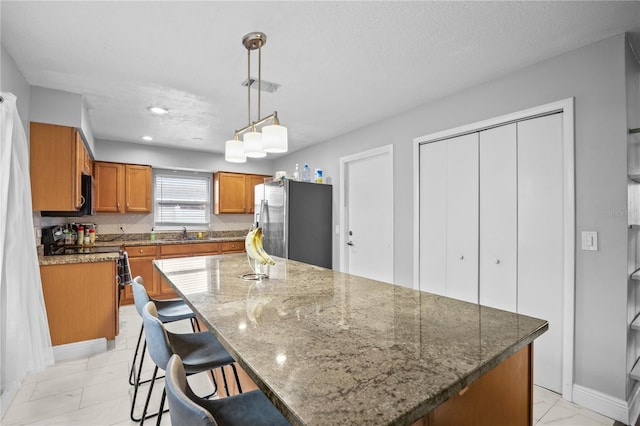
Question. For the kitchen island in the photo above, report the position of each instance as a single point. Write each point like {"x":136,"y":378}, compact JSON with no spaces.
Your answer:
{"x":333,"y":348}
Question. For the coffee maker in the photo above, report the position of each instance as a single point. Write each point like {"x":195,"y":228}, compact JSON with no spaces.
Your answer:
{"x":53,"y":239}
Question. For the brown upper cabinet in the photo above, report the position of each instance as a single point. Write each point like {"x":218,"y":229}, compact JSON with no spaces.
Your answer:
{"x":122,"y":188}
{"x":233,"y":192}
{"x":58,"y":158}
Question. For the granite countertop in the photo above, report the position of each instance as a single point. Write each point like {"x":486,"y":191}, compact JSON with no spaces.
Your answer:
{"x":130,"y":240}
{"x":67,"y":259}
{"x":333,"y":348}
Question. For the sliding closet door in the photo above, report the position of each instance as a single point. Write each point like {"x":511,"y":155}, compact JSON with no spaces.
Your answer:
{"x":462,"y":217}
{"x":498,"y":218}
{"x":433,"y":217}
{"x":540,"y":240}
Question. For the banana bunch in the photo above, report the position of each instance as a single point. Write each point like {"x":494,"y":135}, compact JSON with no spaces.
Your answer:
{"x":253,"y":245}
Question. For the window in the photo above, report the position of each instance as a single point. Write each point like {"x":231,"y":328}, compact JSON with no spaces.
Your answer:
{"x":181,"y":198}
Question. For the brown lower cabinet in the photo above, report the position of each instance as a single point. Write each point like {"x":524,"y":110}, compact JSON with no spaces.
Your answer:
{"x":81,"y":301}
{"x":141,"y":258}
{"x":501,"y":396}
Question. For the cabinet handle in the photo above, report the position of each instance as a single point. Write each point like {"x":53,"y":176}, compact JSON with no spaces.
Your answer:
{"x":141,"y":250}
{"x":127,"y":205}
{"x":118,"y":206}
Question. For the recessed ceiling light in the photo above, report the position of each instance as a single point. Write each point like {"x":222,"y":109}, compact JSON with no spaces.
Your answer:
{"x":158,"y":110}
{"x":147,"y":138}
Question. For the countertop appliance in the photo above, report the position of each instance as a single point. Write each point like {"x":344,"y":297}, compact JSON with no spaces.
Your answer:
{"x":296,"y":220}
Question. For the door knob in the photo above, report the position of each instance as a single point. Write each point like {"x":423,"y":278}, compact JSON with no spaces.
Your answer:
{"x":349,"y":243}
{"x":497,"y":261}
{"x":461,"y":257}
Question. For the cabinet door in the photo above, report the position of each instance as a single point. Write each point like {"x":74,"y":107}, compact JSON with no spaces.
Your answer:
{"x":53,"y":168}
{"x":229,"y":194}
{"x":81,"y":301}
{"x":540,"y":239}
{"x":109,"y":180}
{"x":433,"y":217}
{"x":498,"y":218}
{"x":80,"y":155}
{"x":142,"y":266}
{"x":138,"y":188}
{"x":251,"y":182}
{"x":462,"y":217}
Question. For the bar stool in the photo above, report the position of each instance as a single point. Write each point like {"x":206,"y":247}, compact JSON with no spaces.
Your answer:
{"x":168,"y":311}
{"x":186,"y":408}
{"x":200,"y":352}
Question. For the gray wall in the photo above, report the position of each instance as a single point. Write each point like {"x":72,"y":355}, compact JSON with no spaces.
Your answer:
{"x":171,"y":158}
{"x":12,"y":80}
{"x":595,"y":76}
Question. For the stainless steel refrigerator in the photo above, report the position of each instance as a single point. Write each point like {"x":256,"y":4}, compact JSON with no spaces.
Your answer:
{"x":296,"y":220}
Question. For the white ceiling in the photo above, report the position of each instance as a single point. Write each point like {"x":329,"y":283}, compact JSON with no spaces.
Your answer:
{"x":342,"y":65}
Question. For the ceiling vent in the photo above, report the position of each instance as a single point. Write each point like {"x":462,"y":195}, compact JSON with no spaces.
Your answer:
{"x":266,"y":86}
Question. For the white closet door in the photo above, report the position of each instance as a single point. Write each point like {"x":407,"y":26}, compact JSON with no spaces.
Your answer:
{"x":462,"y":217}
{"x":498,"y":218}
{"x":540,"y":240}
{"x":433,"y":217}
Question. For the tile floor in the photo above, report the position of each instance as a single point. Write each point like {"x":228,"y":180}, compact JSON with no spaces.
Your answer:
{"x":94,"y":390}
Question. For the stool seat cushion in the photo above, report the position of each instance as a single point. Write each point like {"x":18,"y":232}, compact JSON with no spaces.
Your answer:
{"x":249,"y":408}
{"x":173,"y":310}
{"x":199,"y":351}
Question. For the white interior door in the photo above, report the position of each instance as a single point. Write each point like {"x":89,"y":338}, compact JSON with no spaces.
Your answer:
{"x":498,"y":218}
{"x":462,"y":217}
{"x":540,"y":240}
{"x":433,"y":217}
{"x":368,"y":187}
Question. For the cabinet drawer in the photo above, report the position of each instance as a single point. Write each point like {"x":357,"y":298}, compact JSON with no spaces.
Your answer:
{"x":232,"y":246}
{"x":176,"y":249}
{"x":142,"y":251}
{"x":205,"y":248}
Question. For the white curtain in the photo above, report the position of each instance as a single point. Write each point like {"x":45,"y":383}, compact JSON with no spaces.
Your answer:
{"x":25,"y":344}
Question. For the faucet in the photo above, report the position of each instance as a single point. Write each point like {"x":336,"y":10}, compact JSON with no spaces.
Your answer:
{"x":184,"y":232}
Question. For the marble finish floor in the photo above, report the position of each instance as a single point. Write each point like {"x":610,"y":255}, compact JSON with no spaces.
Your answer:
{"x":95,"y":390}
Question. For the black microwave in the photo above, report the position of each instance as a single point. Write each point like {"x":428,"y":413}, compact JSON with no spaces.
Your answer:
{"x":87,"y":188}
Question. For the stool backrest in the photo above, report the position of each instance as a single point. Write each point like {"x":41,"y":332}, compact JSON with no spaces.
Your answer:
{"x":182,"y":406}
{"x":140,"y":296}
{"x":157,"y":339}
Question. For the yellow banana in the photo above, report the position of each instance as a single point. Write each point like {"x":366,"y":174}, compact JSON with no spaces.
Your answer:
{"x":250,"y":247}
{"x":258,"y":244}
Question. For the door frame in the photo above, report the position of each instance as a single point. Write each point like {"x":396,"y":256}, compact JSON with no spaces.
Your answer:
{"x":344,"y":162}
{"x":566,"y":106}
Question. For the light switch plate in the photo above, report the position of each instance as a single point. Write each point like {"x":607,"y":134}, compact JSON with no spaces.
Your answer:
{"x":589,"y":240}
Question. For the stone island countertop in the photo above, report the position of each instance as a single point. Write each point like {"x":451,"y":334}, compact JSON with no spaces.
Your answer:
{"x":332,"y":348}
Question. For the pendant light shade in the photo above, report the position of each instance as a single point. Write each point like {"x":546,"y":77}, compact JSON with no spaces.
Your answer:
{"x":274,"y":137}
{"x":234,"y":151}
{"x":253,"y":146}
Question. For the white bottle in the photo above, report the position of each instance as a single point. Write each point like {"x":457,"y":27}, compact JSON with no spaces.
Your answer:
{"x":306,"y":173}
{"x":296,"y":174}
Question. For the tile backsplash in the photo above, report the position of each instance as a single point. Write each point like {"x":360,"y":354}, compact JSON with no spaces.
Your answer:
{"x":109,"y":223}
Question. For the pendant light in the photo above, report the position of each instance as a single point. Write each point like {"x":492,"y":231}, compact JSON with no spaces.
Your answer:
{"x":274,"y":137}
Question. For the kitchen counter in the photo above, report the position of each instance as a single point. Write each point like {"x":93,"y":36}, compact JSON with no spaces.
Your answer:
{"x":333,"y":348}
{"x":68,"y":259}
{"x":108,"y":242}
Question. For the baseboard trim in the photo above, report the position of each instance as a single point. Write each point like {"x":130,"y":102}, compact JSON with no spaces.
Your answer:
{"x":618,"y":409}
{"x":82,"y":349}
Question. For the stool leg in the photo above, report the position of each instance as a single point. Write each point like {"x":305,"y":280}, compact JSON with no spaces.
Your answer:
{"x":132,"y":377}
{"x":224,"y":379}
{"x":160,"y":411}
{"x":235,"y":373}
{"x":146,"y":403}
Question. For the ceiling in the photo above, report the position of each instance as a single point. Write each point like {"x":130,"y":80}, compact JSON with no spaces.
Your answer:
{"x":341,"y":64}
